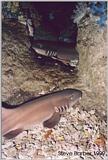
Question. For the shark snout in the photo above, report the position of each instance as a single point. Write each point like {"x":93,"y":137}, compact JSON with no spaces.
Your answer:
{"x":78,"y":94}
{"x":75,"y":96}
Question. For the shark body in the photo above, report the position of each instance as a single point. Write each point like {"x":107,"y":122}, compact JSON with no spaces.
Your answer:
{"x":45,"y":109}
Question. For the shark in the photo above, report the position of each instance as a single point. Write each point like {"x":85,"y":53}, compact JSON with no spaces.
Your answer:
{"x":60,"y":50}
{"x":46,"y":109}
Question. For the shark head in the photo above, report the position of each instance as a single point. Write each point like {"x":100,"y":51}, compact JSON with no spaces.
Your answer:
{"x":69,"y":97}
{"x":75,"y":96}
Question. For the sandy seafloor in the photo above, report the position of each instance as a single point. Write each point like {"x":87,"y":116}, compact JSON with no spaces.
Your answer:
{"x":77,"y":137}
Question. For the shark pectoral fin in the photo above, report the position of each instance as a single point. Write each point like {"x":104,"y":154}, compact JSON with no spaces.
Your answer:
{"x":13,"y":133}
{"x":51,"y":122}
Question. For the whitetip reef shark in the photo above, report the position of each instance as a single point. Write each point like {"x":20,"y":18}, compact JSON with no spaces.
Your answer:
{"x":46,"y":109}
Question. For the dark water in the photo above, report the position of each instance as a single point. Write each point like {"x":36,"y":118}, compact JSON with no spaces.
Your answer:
{"x":55,"y":20}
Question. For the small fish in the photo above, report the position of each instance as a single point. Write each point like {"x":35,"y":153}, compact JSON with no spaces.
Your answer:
{"x":46,"y":109}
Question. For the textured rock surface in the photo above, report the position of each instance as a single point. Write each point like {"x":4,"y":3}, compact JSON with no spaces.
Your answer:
{"x":24,"y":77}
{"x":92,"y":47}
{"x":82,"y":138}
{"x":79,"y":130}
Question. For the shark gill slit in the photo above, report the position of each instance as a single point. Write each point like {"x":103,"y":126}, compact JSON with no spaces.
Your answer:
{"x":62,"y":108}
{"x":50,"y":53}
